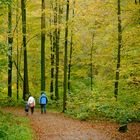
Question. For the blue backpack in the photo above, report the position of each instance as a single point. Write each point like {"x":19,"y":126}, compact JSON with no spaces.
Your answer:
{"x":43,"y":100}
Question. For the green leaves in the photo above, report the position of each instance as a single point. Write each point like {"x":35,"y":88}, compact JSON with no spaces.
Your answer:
{"x":14,"y":128}
{"x":5,"y":1}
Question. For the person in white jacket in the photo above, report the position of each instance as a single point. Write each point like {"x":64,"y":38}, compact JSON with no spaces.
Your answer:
{"x":31,"y":103}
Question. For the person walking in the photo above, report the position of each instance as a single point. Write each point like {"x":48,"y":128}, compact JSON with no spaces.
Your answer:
{"x":31,"y":103}
{"x":43,"y":100}
{"x":26,"y":108}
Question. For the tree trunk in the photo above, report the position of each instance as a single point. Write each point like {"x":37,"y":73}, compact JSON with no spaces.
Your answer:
{"x":70,"y":59}
{"x":69,"y":67}
{"x":59,"y":11}
{"x":43,"y":46}
{"x":139,"y":12}
{"x":65,"y":58}
{"x":56,"y":49}
{"x":52,"y":56}
{"x":119,"y":50}
{"x":25,"y":83}
{"x":10,"y":41}
{"x":52,"y":67}
{"x":91,"y":70}
{"x":17,"y":12}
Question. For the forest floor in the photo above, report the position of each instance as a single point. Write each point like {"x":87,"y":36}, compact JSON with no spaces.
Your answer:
{"x":57,"y":126}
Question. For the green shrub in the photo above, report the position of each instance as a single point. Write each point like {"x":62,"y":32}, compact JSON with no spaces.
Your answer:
{"x":95,"y":104}
{"x":14,"y":128}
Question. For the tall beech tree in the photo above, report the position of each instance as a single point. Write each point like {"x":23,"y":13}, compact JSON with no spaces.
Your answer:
{"x":43,"y":46}
{"x":58,"y":30}
{"x":71,"y":50}
{"x":52,"y":67}
{"x":119,"y":49}
{"x":55,"y":38}
{"x":91,"y":59}
{"x":25,"y":83}
{"x":10,"y":41}
{"x":56,"y":46}
{"x":17,"y":41}
{"x":66,"y":58}
{"x":52,"y":55}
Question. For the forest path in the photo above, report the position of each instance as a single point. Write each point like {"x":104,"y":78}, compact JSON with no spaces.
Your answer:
{"x":56,"y":126}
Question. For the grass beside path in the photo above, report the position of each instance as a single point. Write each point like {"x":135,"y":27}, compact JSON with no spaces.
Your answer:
{"x":14,"y":128}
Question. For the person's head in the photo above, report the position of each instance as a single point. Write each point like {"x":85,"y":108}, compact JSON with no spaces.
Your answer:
{"x":42,"y":92}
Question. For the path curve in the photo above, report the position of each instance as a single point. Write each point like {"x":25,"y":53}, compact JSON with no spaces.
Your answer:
{"x":56,"y":126}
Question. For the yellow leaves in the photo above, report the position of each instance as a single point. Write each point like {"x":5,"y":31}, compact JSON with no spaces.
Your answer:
{"x":34,"y":8}
{"x":2,"y":37}
{"x":80,"y":73}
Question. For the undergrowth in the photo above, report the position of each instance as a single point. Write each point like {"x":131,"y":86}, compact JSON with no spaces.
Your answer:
{"x":14,"y":128}
{"x":100,"y":104}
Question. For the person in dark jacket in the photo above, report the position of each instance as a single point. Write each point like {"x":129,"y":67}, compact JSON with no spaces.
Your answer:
{"x":43,"y":100}
{"x":26,"y":108}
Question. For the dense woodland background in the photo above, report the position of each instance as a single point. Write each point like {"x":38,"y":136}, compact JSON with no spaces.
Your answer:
{"x":92,"y":55}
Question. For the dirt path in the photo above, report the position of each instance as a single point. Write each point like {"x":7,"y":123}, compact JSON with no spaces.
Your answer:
{"x":56,"y":126}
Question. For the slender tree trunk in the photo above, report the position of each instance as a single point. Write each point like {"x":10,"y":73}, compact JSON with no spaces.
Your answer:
{"x":52,"y":55}
{"x":65,"y":58}
{"x":119,"y":50}
{"x":70,"y":59}
{"x":10,"y":41}
{"x":57,"y":69}
{"x":139,"y":11}
{"x":91,"y":70}
{"x":25,"y":83}
{"x":69,"y":67}
{"x":19,"y":74}
{"x":52,"y":64}
{"x":43,"y":46}
{"x":52,"y":67}
{"x":17,"y":11}
{"x":59,"y":11}
{"x":56,"y":49}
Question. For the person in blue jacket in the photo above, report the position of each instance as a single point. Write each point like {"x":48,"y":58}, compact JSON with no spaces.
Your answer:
{"x":43,"y":100}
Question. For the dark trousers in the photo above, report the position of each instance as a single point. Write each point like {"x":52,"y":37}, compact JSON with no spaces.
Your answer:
{"x":43,"y":108}
{"x":32,"y":110}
